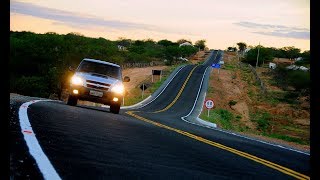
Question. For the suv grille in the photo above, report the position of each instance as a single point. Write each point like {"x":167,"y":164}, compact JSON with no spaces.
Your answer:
{"x":97,"y":85}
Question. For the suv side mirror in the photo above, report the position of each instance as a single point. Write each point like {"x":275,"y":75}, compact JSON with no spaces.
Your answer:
{"x":126,"y":79}
{"x":71,"y":68}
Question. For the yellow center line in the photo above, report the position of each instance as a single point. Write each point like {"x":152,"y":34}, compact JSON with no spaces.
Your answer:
{"x":232,"y":150}
{"x":181,"y":90}
{"x":179,"y":93}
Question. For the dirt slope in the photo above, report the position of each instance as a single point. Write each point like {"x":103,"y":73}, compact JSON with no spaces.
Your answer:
{"x":254,"y":113}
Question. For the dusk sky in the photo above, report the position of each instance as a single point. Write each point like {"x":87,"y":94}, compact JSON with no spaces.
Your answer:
{"x":223,"y":23}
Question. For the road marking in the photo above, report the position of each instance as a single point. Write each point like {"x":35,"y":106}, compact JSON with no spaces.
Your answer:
{"x":163,"y":88}
{"x":195,"y":102}
{"x":182,"y":88}
{"x":179,"y":93}
{"x":235,"y":134}
{"x":34,"y":147}
{"x":218,"y":145}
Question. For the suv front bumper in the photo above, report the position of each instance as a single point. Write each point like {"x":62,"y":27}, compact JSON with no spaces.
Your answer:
{"x":107,"y":97}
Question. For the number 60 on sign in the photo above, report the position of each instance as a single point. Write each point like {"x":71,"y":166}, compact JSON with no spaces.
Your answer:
{"x":209,"y":105}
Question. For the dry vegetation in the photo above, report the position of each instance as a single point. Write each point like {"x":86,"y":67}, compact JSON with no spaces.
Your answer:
{"x":241,"y":106}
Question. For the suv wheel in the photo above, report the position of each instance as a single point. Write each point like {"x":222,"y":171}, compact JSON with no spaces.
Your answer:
{"x":72,"y":100}
{"x":115,"y":108}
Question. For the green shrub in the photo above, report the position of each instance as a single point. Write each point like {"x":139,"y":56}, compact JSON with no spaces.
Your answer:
{"x":232,"y":103}
{"x":296,"y":78}
{"x":299,"y":79}
{"x":225,"y":114}
{"x":302,"y":63}
{"x":221,"y":117}
{"x":238,"y":117}
{"x":31,"y":86}
{"x":262,"y":119}
{"x":228,"y":67}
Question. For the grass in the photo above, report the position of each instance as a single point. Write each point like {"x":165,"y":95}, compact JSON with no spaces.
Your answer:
{"x":157,"y":84}
{"x":262,"y":119}
{"x":238,"y":117}
{"x":229,"y":67}
{"x":295,"y":129}
{"x":288,"y":138}
{"x":250,"y":93}
{"x":276,"y":97}
{"x":222,"y":117}
{"x":247,"y":76}
{"x":264,"y":123}
{"x":136,"y":94}
{"x":210,"y":89}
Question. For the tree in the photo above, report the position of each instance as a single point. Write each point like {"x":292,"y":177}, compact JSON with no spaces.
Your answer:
{"x":265,"y":55}
{"x":39,"y":62}
{"x":171,"y":53}
{"x":149,"y":40}
{"x":187,"y":51}
{"x":124,"y":42}
{"x":232,"y":49}
{"x":180,"y":41}
{"x":165,"y":42}
{"x":242,"y":46}
{"x":201,"y":44}
{"x":291,"y":52}
{"x":306,"y":55}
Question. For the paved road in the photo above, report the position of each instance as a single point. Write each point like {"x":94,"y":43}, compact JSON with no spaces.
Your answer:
{"x":151,"y":142}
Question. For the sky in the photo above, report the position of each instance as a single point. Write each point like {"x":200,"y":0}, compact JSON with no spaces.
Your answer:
{"x":222,"y":23}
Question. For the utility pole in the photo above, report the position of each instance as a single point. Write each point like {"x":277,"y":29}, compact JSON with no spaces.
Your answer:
{"x":258,"y":55}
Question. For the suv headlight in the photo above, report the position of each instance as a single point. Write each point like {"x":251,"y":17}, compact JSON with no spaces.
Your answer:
{"x":118,"y":88}
{"x":76,"y":80}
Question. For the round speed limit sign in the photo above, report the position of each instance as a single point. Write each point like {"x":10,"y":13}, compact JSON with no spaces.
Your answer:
{"x":209,"y":103}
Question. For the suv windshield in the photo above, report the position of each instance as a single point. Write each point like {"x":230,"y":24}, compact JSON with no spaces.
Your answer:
{"x":99,"y":68}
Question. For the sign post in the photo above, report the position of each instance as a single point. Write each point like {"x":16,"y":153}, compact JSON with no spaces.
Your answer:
{"x":216,"y":66}
{"x":209,"y":105}
{"x":143,"y":87}
{"x":156,"y":72}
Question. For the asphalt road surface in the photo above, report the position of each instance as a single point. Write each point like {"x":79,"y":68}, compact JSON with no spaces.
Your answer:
{"x":151,"y":142}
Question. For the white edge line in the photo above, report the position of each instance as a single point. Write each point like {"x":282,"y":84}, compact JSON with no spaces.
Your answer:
{"x":195,"y":102}
{"x":34,"y":147}
{"x":163,"y":88}
{"x":232,"y":133}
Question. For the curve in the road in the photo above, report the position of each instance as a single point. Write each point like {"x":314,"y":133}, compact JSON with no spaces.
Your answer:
{"x":178,"y":112}
{"x":82,"y":142}
{"x":179,"y":93}
{"x":34,"y":147}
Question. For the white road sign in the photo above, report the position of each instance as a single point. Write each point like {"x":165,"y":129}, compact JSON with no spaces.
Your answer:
{"x":209,"y":103}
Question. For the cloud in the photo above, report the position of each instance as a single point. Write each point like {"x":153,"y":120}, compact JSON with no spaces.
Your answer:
{"x":292,"y":34}
{"x":70,"y":18}
{"x":88,"y":22}
{"x":277,"y":30}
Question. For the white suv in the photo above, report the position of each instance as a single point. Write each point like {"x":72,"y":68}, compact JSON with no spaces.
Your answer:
{"x":97,"y":81}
